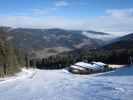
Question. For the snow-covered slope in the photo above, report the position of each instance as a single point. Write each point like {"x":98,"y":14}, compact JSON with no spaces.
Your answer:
{"x":60,"y":85}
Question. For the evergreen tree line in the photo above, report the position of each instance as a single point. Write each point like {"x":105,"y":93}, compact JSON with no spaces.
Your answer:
{"x":11,"y":59}
{"x":54,"y":62}
{"x":121,"y":56}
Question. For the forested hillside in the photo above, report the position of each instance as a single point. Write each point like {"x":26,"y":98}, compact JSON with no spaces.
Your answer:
{"x":124,"y":42}
{"x":42,"y":43}
{"x":10,"y":58}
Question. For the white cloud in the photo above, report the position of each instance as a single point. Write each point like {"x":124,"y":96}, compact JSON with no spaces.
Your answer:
{"x":61,"y":3}
{"x":115,"y":21}
{"x":40,"y":22}
{"x":121,"y":12}
{"x":38,"y":11}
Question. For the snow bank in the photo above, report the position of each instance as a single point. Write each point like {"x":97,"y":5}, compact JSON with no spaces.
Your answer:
{"x":25,"y":73}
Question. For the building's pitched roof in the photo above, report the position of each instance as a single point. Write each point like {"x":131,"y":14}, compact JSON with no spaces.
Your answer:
{"x":99,"y":63}
{"x":87,"y":65}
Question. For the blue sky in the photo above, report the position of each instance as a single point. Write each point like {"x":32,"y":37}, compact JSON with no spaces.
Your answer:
{"x":115,"y":16}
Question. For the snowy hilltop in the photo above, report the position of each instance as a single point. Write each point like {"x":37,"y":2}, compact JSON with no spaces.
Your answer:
{"x":62,"y":85}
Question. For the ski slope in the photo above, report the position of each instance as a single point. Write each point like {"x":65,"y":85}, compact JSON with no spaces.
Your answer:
{"x":62,"y":85}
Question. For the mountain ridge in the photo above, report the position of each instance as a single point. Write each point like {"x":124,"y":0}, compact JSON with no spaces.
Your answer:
{"x":40,"y":41}
{"x":123,"y":42}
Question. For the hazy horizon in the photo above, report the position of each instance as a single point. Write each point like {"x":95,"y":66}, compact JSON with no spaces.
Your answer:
{"x":114,"y":16}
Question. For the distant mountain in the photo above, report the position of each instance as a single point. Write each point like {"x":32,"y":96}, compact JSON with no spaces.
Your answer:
{"x":45,"y":42}
{"x":124,"y":42}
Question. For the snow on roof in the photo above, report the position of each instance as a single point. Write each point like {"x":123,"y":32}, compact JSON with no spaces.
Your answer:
{"x":87,"y":65}
{"x":77,"y":67}
{"x":99,"y":63}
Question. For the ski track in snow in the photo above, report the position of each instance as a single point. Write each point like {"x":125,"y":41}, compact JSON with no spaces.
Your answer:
{"x":61,"y":85}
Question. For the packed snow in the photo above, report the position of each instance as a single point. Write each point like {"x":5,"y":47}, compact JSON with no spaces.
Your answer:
{"x":23,"y":74}
{"x":62,"y":85}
